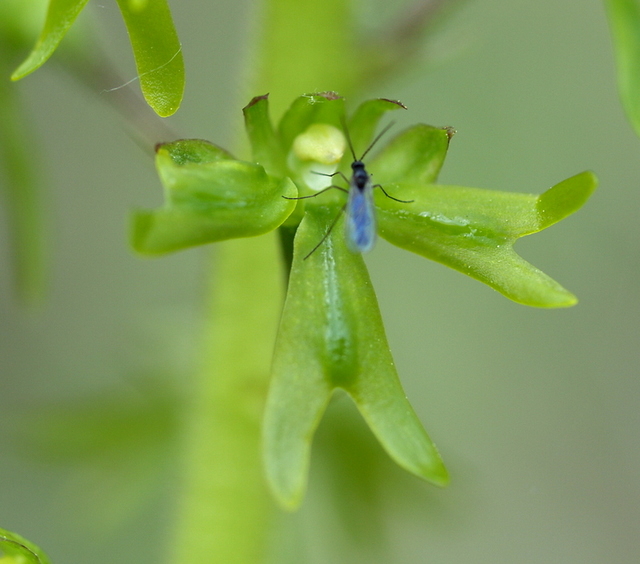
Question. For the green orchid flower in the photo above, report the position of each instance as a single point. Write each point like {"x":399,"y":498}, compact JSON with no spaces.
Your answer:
{"x":331,"y":335}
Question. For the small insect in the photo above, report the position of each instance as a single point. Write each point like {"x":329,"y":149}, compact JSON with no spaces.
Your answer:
{"x":360,"y":225}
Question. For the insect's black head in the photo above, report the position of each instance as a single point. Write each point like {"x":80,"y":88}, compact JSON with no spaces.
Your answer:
{"x":360,"y":176}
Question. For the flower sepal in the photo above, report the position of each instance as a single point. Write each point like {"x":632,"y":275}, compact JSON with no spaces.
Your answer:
{"x":209,"y":197}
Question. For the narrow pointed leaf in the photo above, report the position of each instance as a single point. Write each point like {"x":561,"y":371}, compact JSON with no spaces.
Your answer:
{"x":23,"y":551}
{"x":209,"y":197}
{"x":331,"y":336}
{"x":157,"y":51}
{"x":473,"y":231}
{"x":624,"y":21}
{"x":60,"y":17}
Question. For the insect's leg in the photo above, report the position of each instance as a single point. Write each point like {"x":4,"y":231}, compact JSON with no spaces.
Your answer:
{"x":317,"y":193}
{"x":331,"y":175}
{"x":391,"y":197}
{"x":333,"y":224}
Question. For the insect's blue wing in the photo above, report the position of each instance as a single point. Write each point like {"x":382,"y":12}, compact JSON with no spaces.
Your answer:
{"x":360,"y":223}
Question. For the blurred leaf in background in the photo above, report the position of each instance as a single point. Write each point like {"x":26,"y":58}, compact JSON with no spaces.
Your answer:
{"x":624,"y":22}
{"x":20,"y":158}
{"x":160,"y":67}
{"x":115,"y":447}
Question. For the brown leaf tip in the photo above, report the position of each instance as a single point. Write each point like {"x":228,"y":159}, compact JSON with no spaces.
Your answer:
{"x":255,"y":100}
{"x":396,"y":102}
{"x":450,"y":131}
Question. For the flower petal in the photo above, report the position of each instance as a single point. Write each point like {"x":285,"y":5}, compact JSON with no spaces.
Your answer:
{"x":324,"y":107}
{"x":364,"y":121}
{"x":265,"y":145}
{"x":415,"y":155}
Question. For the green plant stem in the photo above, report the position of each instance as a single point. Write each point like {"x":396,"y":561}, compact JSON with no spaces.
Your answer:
{"x":227,"y":513}
{"x":304,"y":46}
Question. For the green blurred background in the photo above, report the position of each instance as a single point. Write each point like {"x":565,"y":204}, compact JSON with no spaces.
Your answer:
{"x":536,"y":412}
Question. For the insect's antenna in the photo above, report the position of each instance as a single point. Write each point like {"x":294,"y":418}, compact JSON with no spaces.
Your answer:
{"x":346,"y":132}
{"x":376,"y":139}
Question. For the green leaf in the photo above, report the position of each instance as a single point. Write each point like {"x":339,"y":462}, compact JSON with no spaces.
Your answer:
{"x":624,"y":21}
{"x":331,"y":336}
{"x":209,"y":197}
{"x":60,"y":16}
{"x":265,"y":145}
{"x":473,"y":231}
{"x":22,"y":550}
{"x":107,"y":428}
{"x":157,"y":51}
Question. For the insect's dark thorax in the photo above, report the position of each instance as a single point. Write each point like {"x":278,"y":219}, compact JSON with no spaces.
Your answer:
{"x":360,"y":175}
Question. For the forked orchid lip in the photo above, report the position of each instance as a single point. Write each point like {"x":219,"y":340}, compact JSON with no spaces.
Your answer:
{"x":331,"y":335}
